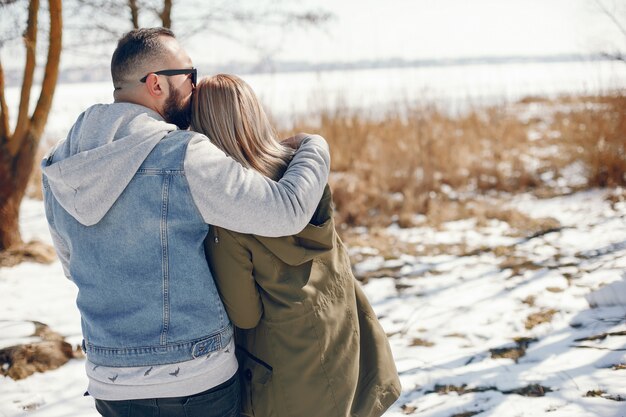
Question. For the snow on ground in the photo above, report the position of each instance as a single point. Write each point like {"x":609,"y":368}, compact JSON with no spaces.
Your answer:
{"x":457,"y":324}
{"x":449,"y":317}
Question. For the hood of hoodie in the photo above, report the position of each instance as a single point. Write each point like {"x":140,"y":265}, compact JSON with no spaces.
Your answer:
{"x":317,"y":238}
{"x":90,"y":169}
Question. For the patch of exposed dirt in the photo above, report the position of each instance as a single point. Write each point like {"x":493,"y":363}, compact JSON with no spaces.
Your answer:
{"x":513,"y":352}
{"x":379,"y":239}
{"x":519,"y":265}
{"x":532,"y":390}
{"x":421,"y":342}
{"x":52,"y":352}
{"x":484,"y":211}
{"x":459,"y":335}
{"x":616,"y":196}
{"x":443,"y":211}
{"x":467,"y":413}
{"x":393,"y":272}
{"x":600,"y":336}
{"x":460,"y":389}
{"x":605,"y":395}
{"x":543,"y":316}
{"x":34,"y":251}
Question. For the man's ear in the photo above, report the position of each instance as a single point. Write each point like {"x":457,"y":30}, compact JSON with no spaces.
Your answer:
{"x":154,"y":85}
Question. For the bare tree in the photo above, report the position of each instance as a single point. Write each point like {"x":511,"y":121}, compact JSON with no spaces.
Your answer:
{"x":102,"y":23}
{"x":18,"y":147}
{"x":232,"y":20}
{"x":612,"y":15}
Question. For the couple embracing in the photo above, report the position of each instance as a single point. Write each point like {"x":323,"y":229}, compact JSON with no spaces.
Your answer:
{"x":211,"y":279}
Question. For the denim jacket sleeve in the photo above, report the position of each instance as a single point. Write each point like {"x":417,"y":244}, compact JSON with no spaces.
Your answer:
{"x":240,"y":199}
{"x":231,"y":266}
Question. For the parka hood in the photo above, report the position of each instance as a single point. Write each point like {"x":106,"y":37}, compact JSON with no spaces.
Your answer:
{"x":315,"y":239}
{"x":90,"y":169}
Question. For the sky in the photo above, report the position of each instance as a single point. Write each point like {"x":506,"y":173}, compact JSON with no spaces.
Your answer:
{"x":406,"y":29}
{"x":424,"y":29}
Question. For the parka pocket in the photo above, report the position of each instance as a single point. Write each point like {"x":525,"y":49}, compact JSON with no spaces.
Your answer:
{"x":256,"y":376}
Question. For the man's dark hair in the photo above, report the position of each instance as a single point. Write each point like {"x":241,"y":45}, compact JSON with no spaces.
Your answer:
{"x":134,"y":48}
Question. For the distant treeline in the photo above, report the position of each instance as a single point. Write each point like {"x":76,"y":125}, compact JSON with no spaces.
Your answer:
{"x":101,"y":72}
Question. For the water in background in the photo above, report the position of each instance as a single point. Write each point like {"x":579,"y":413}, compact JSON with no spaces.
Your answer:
{"x":451,"y":88}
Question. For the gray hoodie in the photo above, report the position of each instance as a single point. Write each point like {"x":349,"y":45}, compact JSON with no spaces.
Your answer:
{"x":109,"y":142}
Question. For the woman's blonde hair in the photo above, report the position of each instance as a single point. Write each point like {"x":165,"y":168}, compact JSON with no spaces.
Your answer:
{"x":227,"y":111}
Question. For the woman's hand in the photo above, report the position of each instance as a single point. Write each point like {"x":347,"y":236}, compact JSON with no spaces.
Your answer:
{"x":295,"y":141}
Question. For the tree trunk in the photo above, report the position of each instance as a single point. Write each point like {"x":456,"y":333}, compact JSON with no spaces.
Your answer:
{"x":166,"y":14}
{"x":17,"y":150}
{"x":9,"y":228}
{"x":134,"y":13}
{"x":14,"y":175}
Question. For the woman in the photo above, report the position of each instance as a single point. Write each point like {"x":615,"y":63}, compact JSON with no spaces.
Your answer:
{"x":308,"y":341}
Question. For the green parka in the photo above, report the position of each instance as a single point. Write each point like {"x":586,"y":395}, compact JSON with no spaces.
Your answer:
{"x":313,"y":346}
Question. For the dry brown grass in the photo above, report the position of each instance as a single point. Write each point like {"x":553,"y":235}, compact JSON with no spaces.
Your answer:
{"x":596,"y":135}
{"x":529,"y":300}
{"x":51,"y":352}
{"x":513,"y":352}
{"x":34,"y":251}
{"x":393,"y":166}
{"x":419,"y":160}
{"x":543,"y":316}
{"x":603,"y":394}
{"x":595,"y":393}
{"x":421,"y":342}
{"x":389,"y":168}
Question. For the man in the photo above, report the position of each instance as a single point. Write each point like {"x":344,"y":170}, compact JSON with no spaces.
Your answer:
{"x":129,"y":196}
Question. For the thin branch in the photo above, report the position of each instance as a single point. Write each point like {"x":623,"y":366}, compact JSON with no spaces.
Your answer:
{"x":612,"y":17}
{"x":614,"y":57}
{"x":166,"y":14}
{"x":30,"y":42}
{"x":152,"y":9}
{"x":40,"y":115}
{"x":208,"y":22}
{"x":221,"y":33}
{"x":259,"y":19}
{"x":213,"y":16}
{"x":10,"y":23}
{"x":134,"y":13}
{"x":106,"y":29}
{"x":111,"y":8}
{"x":4,"y":111}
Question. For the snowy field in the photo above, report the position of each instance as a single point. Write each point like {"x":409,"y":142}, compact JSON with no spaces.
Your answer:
{"x":506,"y":329}
{"x":373,"y":91}
{"x":458,"y":325}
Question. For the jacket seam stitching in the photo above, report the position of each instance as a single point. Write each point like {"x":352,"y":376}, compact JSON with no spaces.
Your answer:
{"x":164,"y":259}
{"x":328,"y":379}
{"x":177,"y":345}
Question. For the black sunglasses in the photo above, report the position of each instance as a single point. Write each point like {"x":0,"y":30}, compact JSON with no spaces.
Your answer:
{"x":192,"y":71}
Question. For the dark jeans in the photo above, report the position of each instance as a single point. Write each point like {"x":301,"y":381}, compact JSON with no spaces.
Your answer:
{"x":221,"y":401}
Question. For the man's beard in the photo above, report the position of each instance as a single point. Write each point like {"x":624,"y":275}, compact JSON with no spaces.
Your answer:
{"x":176,"y":111}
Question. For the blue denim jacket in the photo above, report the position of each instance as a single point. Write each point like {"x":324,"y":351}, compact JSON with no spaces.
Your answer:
{"x":128,"y":200}
{"x":146,"y":294}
